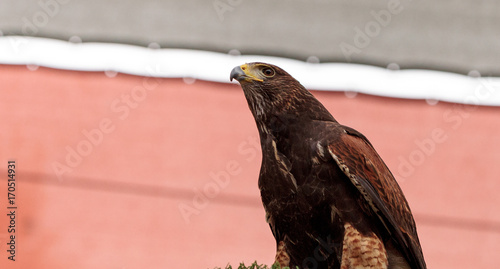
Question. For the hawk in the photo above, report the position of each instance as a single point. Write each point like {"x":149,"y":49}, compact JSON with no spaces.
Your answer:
{"x":330,"y":200}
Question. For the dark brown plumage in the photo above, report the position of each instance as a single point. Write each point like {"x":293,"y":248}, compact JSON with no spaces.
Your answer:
{"x":330,"y":200}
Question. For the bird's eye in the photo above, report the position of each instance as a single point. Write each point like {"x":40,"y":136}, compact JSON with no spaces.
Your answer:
{"x":268,"y":72}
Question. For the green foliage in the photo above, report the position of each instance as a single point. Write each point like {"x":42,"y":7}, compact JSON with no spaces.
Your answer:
{"x":255,"y":265}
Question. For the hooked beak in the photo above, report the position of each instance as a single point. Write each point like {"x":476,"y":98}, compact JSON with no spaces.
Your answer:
{"x":237,"y":73}
{"x":243,"y":73}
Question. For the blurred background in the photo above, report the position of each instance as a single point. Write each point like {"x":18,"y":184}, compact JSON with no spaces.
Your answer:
{"x":133,"y":150}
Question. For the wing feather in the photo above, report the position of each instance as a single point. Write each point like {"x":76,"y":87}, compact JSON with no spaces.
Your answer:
{"x":359,"y":161}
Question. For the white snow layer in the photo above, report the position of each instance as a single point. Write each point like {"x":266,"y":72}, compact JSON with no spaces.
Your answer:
{"x":212,"y":66}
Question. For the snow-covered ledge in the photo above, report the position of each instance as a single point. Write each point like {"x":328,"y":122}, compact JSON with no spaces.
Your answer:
{"x":212,"y":66}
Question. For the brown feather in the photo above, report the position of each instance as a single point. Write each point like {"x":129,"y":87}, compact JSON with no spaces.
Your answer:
{"x":330,"y":200}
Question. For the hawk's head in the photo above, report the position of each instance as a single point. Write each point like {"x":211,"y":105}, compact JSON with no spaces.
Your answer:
{"x":258,"y":72}
{"x":271,"y":91}
{"x":266,"y":83}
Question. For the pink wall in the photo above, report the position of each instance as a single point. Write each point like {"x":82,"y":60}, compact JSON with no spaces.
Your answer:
{"x":156,"y":173}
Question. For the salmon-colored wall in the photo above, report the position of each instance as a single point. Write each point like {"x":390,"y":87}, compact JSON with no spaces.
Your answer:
{"x":167,"y":177}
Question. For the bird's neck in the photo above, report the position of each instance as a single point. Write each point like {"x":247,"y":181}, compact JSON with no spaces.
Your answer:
{"x":282,"y":114}
{"x":287,"y":124}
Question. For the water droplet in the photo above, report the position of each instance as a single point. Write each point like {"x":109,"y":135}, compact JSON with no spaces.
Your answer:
{"x":32,"y":67}
{"x":189,"y":80}
{"x":234,"y":52}
{"x":474,"y":74}
{"x":154,"y":45}
{"x":313,"y":60}
{"x":110,"y":73}
{"x":75,"y":39}
{"x":432,"y":102}
{"x":350,"y":94}
{"x":393,"y":66}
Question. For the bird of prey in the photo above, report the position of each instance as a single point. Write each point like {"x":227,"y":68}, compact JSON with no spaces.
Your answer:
{"x":330,"y":200}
